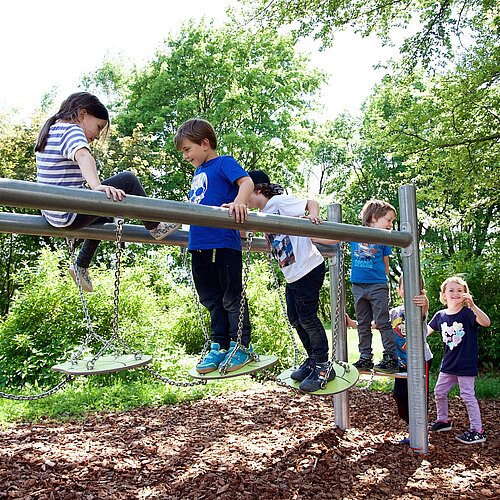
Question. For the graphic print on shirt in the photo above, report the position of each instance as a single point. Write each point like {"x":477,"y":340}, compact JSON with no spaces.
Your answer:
{"x":452,"y":334}
{"x":365,"y":255}
{"x":399,"y":329}
{"x":281,"y":249}
{"x":199,"y":187}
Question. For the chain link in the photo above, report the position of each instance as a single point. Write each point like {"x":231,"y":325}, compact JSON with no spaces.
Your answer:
{"x":35,"y":397}
{"x":168,"y":381}
{"x":90,"y":328}
{"x":270,"y":376}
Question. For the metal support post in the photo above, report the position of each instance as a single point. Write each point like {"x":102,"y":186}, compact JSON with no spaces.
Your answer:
{"x":417,"y":397}
{"x":341,"y":400}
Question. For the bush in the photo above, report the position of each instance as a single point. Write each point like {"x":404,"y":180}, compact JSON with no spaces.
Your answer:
{"x":46,"y":322}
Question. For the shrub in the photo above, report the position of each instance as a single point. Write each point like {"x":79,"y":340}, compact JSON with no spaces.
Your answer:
{"x":46,"y":321}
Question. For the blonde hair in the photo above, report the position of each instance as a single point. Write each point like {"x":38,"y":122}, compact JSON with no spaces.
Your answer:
{"x":454,"y":279}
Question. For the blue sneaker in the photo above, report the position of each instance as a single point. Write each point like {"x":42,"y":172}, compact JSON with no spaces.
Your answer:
{"x":317,"y":379}
{"x":212,"y":360}
{"x":240,"y":358}
{"x":304,"y":370}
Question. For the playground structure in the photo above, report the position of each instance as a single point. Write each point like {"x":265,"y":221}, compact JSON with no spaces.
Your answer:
{"x":36,"y":196}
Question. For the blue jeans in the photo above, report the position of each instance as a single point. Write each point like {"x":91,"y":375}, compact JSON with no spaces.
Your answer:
{"x":129,"y":183}
{"x":371,"y":302}
{"x":218,"y":281}
{"x":302,"y":301}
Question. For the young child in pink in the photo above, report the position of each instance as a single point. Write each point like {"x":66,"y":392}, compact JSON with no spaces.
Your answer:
{"x":458,"y":325}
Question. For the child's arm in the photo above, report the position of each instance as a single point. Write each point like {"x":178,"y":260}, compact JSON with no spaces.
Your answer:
{"x":350,"y":323}
{"x":239,"y":205}
{"x":481,"y":317}
{"x":88,"y":167}
{"x":312,"y":207}
{"x":324,"y":241}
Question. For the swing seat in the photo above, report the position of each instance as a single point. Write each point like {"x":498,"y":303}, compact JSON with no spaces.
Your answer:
{"x":249,"y":368}
{"x":383,"y":374}
{"x":104,"y":364}
{"x":343,"y":380}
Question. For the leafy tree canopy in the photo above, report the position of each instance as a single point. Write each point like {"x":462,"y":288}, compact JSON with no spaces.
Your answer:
{"x":441,"y":23}
{"x":254,"y":88}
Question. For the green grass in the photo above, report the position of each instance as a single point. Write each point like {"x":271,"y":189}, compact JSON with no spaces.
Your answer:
{"x":125,"y":391}
{"x":116,"y":392}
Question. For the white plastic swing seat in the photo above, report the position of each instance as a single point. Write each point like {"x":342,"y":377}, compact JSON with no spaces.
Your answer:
{"x":104,"y":364}
{"x":383,"y":374}
{"x":249,"y":368}
{"x":343,"y":380}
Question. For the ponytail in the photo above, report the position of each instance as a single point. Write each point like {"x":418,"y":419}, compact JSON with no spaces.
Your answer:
{"x":44,"y":133}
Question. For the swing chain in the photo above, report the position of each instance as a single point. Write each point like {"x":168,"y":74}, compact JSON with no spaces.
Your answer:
{"x":35,"y":397}
{"x":118,"y":257}
{"x":270,"y":376}
{"x":168,"y":381}
{"x":243,"y":301}
{"x":115,"y":335}
{"x":90,"y":329}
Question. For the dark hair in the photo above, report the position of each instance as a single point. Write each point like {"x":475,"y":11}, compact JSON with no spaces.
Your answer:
{"x":375,"y":209}
{"x":196,"y":130}
{"x":264,"y":185}
{"x":269,"y":190}
{"x":68,"y":112}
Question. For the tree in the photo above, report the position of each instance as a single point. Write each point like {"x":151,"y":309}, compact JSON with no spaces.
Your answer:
{"x":442,"y":24}
{"x":17,"y":162}
{"x":252,"y":86}
{"x":334,"y":154}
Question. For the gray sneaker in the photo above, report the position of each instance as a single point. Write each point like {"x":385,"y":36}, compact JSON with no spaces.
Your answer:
{"x":163,"y":229}
{"x":83,"y":274}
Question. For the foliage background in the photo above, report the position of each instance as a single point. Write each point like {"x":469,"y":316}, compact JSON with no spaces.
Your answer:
{"x":431,"y":121}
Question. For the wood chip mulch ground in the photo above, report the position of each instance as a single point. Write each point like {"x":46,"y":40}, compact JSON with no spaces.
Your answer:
{"x":264,"y":443}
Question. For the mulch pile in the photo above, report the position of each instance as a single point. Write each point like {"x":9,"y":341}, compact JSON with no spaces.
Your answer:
{"x":265,"y":443}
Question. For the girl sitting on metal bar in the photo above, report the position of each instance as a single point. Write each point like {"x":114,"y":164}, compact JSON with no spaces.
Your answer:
{"x":64,"y":158}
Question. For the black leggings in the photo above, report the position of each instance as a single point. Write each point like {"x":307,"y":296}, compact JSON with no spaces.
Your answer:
{"x":400,"y":393}
{"x":128,"y":182}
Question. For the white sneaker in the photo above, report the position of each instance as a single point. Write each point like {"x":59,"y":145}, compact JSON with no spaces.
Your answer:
{"x":83,"y":274}
{"x":163,"y":229}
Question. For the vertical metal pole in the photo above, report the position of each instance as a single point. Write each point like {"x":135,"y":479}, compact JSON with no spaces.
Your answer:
{"x":341,"y":400}
{"x":417,"y":398}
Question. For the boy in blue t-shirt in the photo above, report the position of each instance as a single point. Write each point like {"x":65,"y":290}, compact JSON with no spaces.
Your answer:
{"x":216,"y":257}
{"x":369,"y":275}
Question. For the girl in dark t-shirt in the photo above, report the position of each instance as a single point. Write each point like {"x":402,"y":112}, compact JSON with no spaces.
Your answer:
{"x":458,"y":325}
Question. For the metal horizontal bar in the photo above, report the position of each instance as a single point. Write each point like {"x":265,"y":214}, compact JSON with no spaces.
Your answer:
{"x":85,"y":201}
{"x":37,"y":225}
